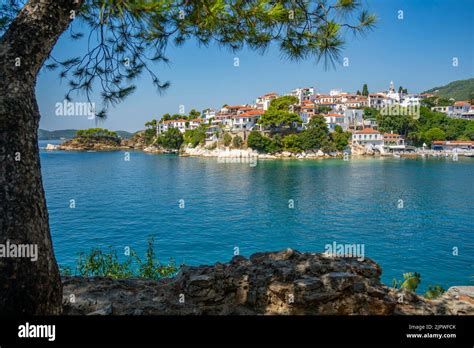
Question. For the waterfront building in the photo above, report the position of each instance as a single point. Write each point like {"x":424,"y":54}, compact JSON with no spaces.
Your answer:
{"x":453,"y":145}
{"x":368,"y":137}
{"x":393,"y":139}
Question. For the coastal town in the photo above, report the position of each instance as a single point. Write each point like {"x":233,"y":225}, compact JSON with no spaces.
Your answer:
{"x":304,"y":123}
{"x":342,"y":111}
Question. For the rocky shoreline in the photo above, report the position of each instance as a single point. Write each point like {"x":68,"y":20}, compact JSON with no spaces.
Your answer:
{"x":273,"y":283}
{"x":226,"y":152}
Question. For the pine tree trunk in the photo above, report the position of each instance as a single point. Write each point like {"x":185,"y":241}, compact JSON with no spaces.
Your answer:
{"x":26,"y":286}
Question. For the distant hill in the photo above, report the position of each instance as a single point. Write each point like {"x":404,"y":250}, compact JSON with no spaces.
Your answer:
{"x":459,"y":90}
{"x":70,"y":133}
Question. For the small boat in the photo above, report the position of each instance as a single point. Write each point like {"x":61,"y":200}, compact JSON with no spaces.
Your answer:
{"x":471,"y":154}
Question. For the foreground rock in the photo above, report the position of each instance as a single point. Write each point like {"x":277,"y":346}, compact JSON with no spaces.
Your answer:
{"x":286,"y":282}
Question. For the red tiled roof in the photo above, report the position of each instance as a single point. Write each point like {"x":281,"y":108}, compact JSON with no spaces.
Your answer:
{"x":251,"y":113}
{"x":461,"y":103}
{"x":367,"y":131}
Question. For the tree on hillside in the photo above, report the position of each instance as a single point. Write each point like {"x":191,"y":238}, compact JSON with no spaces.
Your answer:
{"x":279,"y":114}
{"x":172,"y":139}
{"x":365,"y":90}
{"x":124,"y":38}
{"x":433,"y":134}
{"x":316,"y":134}
{"x":166,"y":117}
{"x":194,"y":114}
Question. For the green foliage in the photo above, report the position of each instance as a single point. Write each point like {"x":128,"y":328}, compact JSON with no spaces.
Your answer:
{"x":96,"y":133}
{"x":365,"y":90}
{"x":433,"y":134}
{"x":316,"y":134}
{"x":150,"y":136}
{"x":293,"y":143}
{"x":279,"y":114}
{"x":410,"y":282}
{"x":194,"y":114}
{"x":172,"y":139}
{"x":227,"y":139}
{"x":237,"y":142}
{"x":138,"y":32}
{"x":283,"y":103}
{"x":264,"y":144}
{"x":98,"y":263}
{"x":340,"y":139}
{"x":459,"y":90}
{"x":434,"y":291}
{"x":196,"y":136}
{"x":103,"y":264}
{"x":323,"y":109}
{"x":370,"y":113}
{"x":428,"y":127}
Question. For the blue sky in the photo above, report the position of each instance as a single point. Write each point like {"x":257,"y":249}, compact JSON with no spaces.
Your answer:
{"x":415,"y":52}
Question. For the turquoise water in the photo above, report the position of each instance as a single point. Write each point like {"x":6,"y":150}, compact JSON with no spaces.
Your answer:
{"x":120,"y":203}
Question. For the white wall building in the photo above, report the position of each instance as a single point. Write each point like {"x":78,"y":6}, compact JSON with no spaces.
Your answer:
{"x":263,"y":102}
{"x":367,"y":137}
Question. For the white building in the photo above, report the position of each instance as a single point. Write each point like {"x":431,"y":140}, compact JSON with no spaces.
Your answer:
{"x":410,"y":100}
{"x":333,"y":120}
{"x":208,"y":114}
{"x":368,"y":137}
{"x":302,"y":93}
{"x":244,"y":121}
{"x":165,"y":125}
{"x":377,"y":100}
{"x":263,"y":102}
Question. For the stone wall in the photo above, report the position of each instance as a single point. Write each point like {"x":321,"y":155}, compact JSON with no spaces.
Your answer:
{"x":285,"y":282}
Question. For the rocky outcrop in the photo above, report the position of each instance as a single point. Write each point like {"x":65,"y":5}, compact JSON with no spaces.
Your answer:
{"x":137,"y":141}
{"x":90,"y":144}
{"x":286,"y":282}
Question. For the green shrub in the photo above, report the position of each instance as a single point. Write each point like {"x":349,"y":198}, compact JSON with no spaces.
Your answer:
{"x":293,"y":143}
{"x":410,"y":282}
{"x":195,"y":137}
{"x":227,"y":139}
{"x":261,"y":143}
{"x":107,"y":264}
{"x":434,"y":291}
{"x":172,"y":139}
{"x":237,"y":141}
